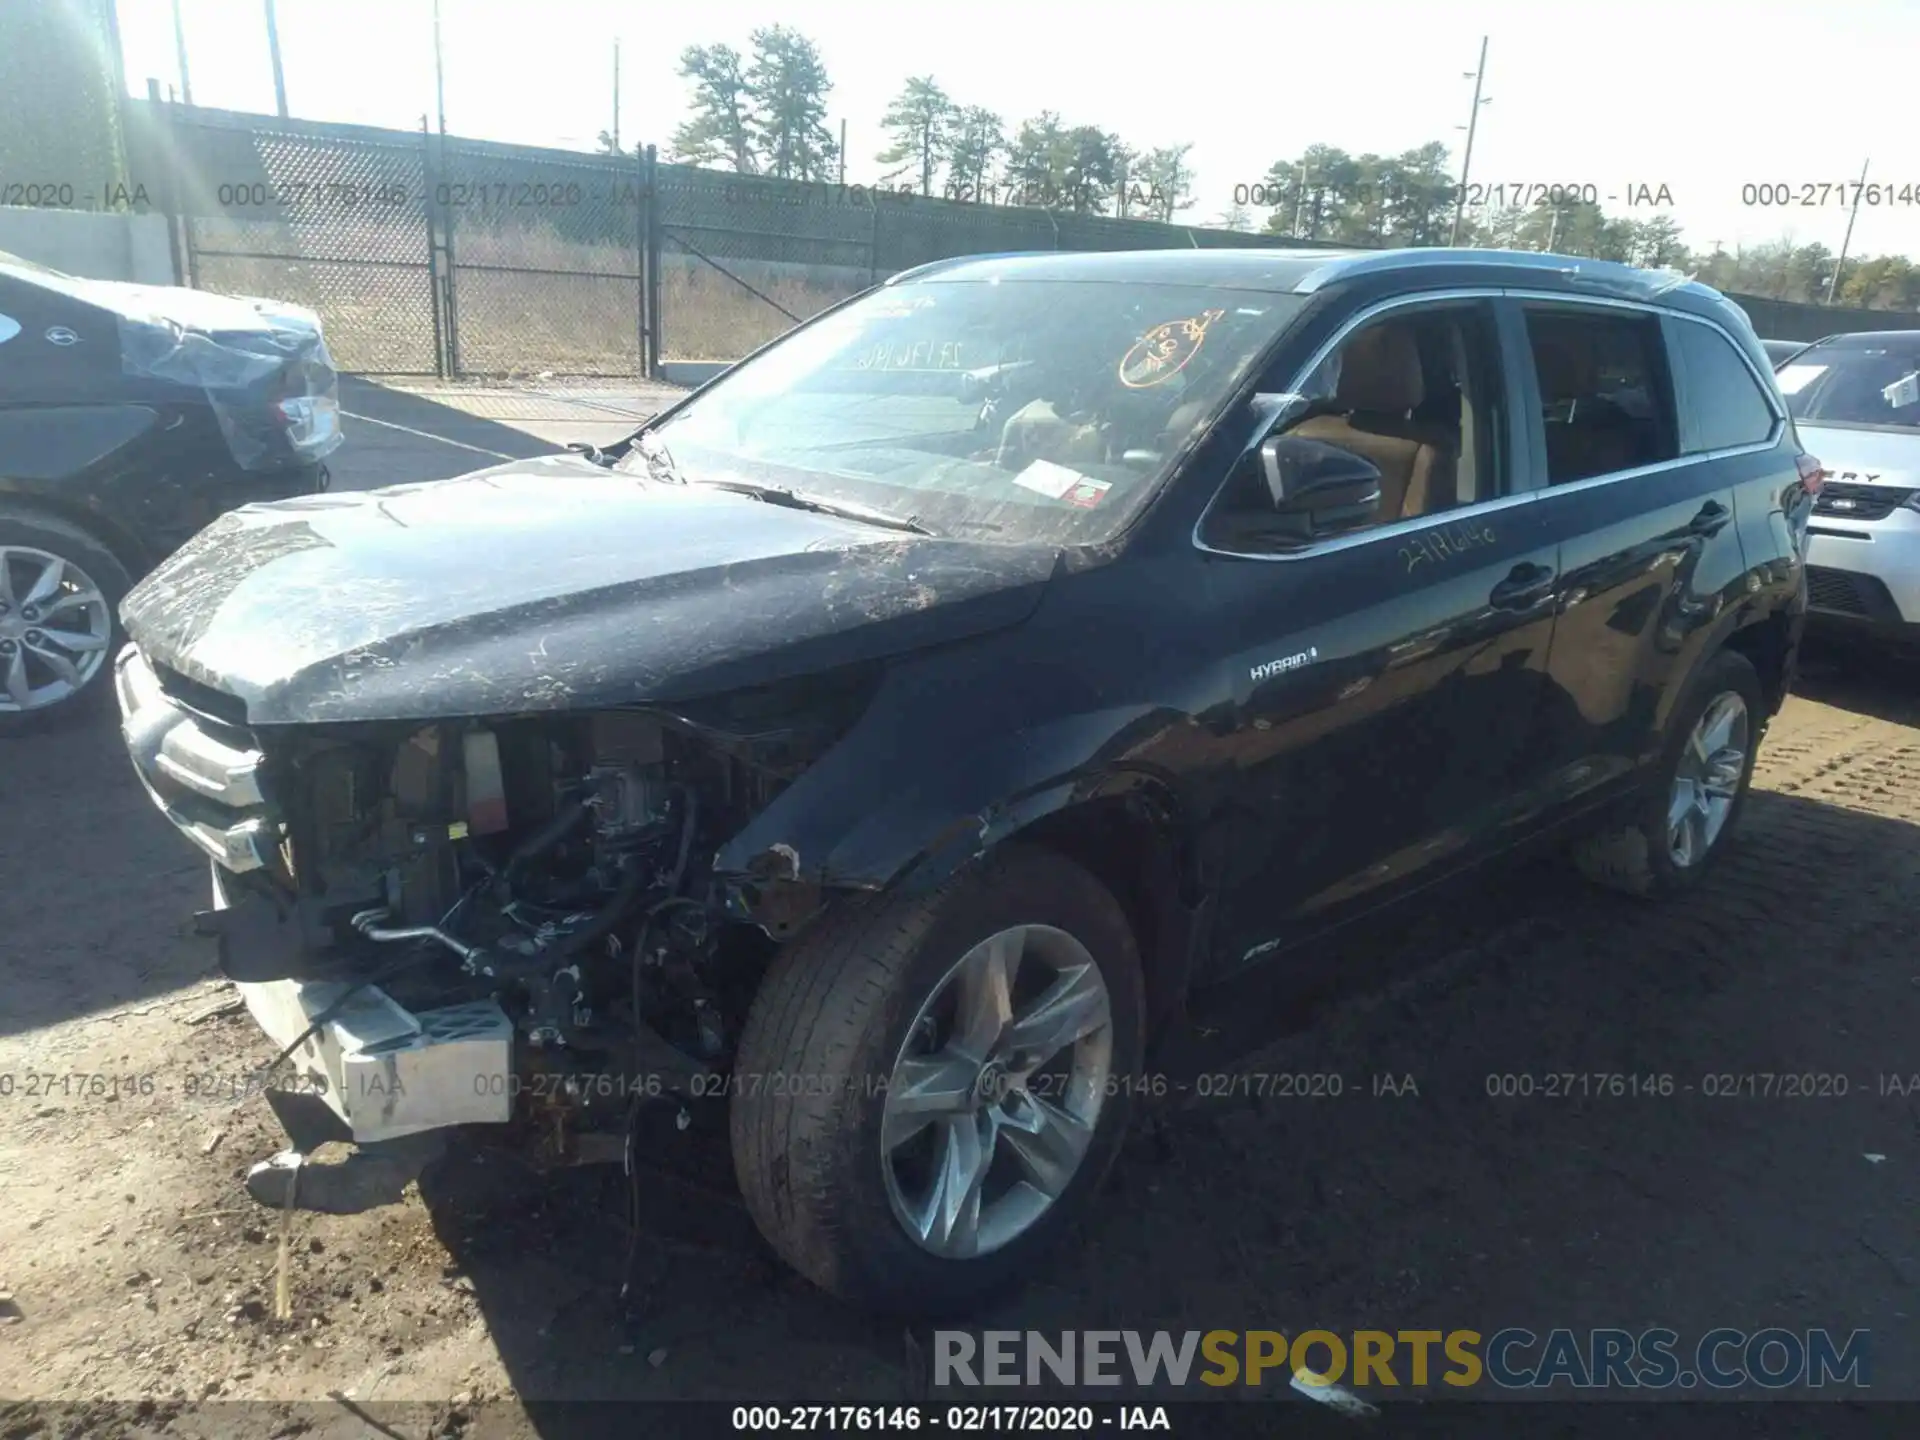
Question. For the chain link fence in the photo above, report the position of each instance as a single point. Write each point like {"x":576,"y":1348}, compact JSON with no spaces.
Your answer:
{"x":436,"y":255}
{"x":335,"y":220}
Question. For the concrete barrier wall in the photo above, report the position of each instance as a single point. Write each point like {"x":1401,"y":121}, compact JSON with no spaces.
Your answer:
{"x":99,"y":245}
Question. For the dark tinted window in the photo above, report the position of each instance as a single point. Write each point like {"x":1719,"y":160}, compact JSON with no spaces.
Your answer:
{"x":1606,"y":400}
{"x":1727,"y":405}
{"x":1858,"y":382}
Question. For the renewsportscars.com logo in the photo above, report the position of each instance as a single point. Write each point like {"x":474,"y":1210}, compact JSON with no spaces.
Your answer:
{"x":1509,"y":1359}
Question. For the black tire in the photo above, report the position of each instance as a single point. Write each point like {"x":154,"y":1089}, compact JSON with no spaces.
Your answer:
{"x":1635,"y":858}
{"x":103,"y":567}
{"x":834,"y":1012}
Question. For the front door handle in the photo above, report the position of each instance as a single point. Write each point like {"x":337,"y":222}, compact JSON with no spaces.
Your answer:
{"x":1526,"y":586}
{"x":1711,"y":520}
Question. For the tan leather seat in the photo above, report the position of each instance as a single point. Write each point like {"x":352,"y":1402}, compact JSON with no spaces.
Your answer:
{"x":1592,"y":441}
{"x":1380,"y":383}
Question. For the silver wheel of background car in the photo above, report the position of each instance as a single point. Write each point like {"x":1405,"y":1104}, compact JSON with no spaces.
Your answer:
{"x":55,"y":628}
{"x":1707,"y":780}
{"x":996,"y":1093}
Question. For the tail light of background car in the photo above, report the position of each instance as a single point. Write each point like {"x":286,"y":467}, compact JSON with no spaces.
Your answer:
{"x":310,"y":422}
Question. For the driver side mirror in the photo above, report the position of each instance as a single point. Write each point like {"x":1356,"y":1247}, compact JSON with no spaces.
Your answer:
{"x":1316,"y":489}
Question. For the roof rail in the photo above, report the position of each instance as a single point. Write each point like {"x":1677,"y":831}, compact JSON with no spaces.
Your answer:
{"x":1611,"y":274}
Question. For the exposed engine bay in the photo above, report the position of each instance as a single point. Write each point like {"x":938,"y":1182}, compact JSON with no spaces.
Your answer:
{"x":557,"y":866}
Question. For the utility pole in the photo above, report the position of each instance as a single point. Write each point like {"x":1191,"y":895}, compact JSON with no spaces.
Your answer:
{"x":273,"y":49}
{"x":616,"y":94}
{"x":1300,"y":200}
{"x":843,"y":152}
{"x":180,"y":54}
{"x":1833,"y":281}
{"x":1553,"y":230}
{"x":439,"y":72}
{"x":1473,"y":124}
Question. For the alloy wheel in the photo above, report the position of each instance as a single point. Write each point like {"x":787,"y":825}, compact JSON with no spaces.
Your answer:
{"x":996,"y":1094}
{"x":55,"y":629}
{"x":1707,"y":780}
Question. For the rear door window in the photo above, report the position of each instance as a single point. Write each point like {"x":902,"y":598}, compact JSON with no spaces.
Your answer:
{"x":1725,"y":405}
{"x":1605,"y":395}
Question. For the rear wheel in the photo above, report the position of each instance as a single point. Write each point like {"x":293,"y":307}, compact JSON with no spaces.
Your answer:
{"x":929,"y":1091}
{"x":59,"y":591}
{"x":1701,"y":787}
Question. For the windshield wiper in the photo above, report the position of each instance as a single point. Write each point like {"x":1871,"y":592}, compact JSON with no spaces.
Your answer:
{"x":793,"y":500}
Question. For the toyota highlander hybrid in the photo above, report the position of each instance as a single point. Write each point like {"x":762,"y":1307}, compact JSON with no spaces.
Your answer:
{"x":908,"y":731}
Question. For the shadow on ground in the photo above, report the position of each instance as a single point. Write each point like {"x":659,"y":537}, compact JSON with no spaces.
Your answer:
{"x":1433,"y":1205}
{"x":394,"y":436}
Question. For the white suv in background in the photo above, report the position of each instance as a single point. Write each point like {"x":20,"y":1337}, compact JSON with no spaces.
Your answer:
{"x":1855,"y":400}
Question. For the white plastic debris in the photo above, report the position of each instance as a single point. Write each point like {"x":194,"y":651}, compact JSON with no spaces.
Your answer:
{"x":1873,"y":1159}
{"x":1338,"y":1398}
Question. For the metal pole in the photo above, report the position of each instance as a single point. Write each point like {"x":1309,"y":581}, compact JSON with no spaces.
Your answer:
{"x":161,"y":140}
{"x":1466,"y":162}
{"x":1833,"y":281}
{"x":439,"y":73}
{"x":644,"y":320}
{"x":434,"y":280}
{"x":1300,"y":200}
{"x":616,"y":94}
{"x":843,"y":152}
{"x":180,"y":54}
{"x":1553,"y":230}
{"x":656,"y":321}
{"x":273,"y":49}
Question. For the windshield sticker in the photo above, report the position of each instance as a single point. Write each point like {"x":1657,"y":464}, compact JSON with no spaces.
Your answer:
{"x":1088,"y":493}
{"x":1903,"y":392}
{"x":1164,"y":351}
{"x":1796,"y":378}
{"x":1056,"y":482}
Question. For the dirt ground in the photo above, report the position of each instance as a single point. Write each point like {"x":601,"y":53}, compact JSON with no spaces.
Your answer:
{"x":133,"y":1266}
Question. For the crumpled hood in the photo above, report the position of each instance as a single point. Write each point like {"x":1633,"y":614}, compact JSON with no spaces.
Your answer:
{"x":550,"y":584}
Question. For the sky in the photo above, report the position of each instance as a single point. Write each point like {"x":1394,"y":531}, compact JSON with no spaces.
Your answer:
{"x":1699,"y":96}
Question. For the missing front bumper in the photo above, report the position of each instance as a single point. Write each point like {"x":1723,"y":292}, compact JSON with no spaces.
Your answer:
{"x":386,"y":1071}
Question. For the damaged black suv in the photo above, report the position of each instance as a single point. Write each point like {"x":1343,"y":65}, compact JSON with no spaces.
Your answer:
{"x":900,"y":735}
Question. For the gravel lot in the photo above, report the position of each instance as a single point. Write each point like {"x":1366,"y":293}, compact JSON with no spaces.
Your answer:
{"x":138,"y":1269}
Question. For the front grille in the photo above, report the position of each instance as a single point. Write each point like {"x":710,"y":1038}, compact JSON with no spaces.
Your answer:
{"x":1860,"y":502}
{"x":1842,"y":592}
{"x":203,"y":774}
{"x":202,"y":700}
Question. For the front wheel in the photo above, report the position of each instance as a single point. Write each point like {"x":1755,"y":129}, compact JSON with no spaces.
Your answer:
{"x":1699,"y":790}
{"x":929,"y":1091}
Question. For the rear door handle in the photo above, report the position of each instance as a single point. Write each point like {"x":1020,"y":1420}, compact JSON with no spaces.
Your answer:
{"x":1526,"y":586}
{"x":1711,"y":520}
